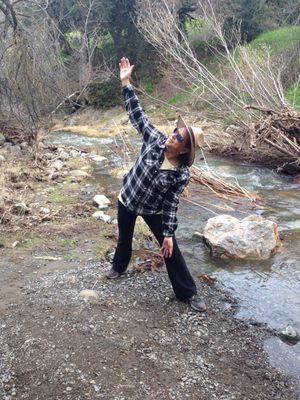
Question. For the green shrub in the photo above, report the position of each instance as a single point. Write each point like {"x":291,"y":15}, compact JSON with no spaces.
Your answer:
{"x":105,"y":94}
{"x":179,"y":97}
{"x":293,"y":95}
{"x":147,"y":84}
{"x":278,"y":39}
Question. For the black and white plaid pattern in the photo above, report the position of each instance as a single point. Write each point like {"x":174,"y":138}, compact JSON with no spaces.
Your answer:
{"x":146,"y":188}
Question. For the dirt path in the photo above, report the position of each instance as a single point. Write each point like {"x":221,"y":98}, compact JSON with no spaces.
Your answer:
{"x":135,"y":342}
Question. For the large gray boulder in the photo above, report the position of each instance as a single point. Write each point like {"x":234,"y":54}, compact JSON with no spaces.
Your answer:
{"x":252,"y":238}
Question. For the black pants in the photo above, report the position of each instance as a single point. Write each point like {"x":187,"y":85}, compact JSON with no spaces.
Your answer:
{"x":180,"y":277}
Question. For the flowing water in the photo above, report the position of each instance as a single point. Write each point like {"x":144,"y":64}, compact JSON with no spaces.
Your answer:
{"x":268,"y":291}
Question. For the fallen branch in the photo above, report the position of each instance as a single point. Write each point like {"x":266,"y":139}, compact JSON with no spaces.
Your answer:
{"x":219,"y":186}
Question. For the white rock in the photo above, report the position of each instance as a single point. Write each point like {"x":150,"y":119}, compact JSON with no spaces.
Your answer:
{"x":89,"y":296}
{"x":99,"y":159}
{"x":45,"y":210}
{"x":2,"y":158}
{"x":74,"y":153}
{"x":57,"y":164}
{"x":252,"y":238}
{"x":101,"y":200}
{"x":24,"y":145}
{"x":78,"y":173}
{"x":21,"y":208}
{"x":103,"y":207}
{"x":63,"y":155}
{"x":101,"y":216}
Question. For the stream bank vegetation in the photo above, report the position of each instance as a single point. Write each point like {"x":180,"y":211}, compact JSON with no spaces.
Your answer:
{"x":237,"y":68}
{"x":246,"y":89}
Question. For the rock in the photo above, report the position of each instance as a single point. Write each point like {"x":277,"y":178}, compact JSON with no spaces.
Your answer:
{"x":99,"y":159}
{"x":21,"y":208}
{"x":57,"y":164}
{"x":45,"y":210}
{"x":63,"y":155}
{"x":54,"y":175}
{"x":197,"y":235}
{"x":89,"y":296}
{"x":101,"y":200}
{"x":24,"y":145}
{"x":103,"y":207}
{"x":74,"y":153}
{"x":289,"y":334}
{"x":2,"y":158}
{"x":2,"y":139}
{"x":78,"y":173}
{"x":2,"y":201}
{"x":253,"y":238}
{"x":101,"y":216}
{"x":15,"y":150}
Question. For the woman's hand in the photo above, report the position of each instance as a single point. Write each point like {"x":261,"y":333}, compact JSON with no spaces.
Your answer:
{"x":167,"y":247}
{"x":125,"y":71}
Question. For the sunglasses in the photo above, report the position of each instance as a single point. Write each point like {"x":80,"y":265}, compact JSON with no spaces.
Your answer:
{"x":178,"y":136}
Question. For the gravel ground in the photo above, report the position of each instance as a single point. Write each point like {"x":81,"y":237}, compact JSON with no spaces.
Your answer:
{"x":136,"y":341}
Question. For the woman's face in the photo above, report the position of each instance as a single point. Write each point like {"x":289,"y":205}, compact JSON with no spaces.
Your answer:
{"x":177,"y":141}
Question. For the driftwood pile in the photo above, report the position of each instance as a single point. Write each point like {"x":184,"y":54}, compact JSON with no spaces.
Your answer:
{"x":278,"y":133}
{"x":219,"y":186}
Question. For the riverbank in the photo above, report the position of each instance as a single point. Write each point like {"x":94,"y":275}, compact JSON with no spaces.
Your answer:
{"x":136,"y":340}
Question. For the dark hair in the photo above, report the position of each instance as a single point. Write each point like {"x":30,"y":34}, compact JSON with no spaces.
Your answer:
{"x":184,"y":157}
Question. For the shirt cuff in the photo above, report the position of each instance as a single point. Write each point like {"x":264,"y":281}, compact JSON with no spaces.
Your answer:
{"x":168,"y":233}
{"x":127,"y":87}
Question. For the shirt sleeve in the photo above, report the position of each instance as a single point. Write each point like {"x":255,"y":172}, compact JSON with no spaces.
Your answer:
{"x":137,"y":116}
{"x":170,"y":206}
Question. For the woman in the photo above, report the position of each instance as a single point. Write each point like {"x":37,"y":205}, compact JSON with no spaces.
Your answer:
{"x":151,"y":189}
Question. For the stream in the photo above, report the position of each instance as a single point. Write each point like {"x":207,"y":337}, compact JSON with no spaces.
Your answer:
{"x":267,"y":291}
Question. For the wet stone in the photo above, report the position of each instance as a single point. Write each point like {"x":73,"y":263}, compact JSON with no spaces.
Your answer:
{"x":289,"y":335}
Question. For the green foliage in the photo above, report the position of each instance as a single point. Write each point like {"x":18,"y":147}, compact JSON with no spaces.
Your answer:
{"x":293,"y":95}
{"x":147,"y":84}
{"x":278,"y":39}
{"x":65,"y":56}
{"x":194,"y":26}
{"x":178,"y":97}
{"x":106,"y":43}
{"x":105,"y":94}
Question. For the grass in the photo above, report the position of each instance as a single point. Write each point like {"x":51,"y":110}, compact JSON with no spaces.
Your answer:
{"x":65,"y":242}
{"x":280,"y":39}
{"x":60,"y":198}
{"x":31,"y":241}
{"x":179,"y":97}
{"x":293,"y":95}
{"x":104,"y":241}
{"x":147,"y":84}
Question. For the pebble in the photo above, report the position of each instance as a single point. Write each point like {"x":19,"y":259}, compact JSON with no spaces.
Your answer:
{"x":290,"y":335}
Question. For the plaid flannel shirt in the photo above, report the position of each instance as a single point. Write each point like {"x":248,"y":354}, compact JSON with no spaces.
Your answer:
{"x":146,"y":188}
